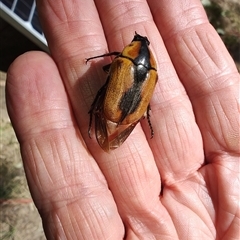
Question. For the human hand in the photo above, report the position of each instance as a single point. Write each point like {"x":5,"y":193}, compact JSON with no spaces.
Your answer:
{"x":183,"y":183}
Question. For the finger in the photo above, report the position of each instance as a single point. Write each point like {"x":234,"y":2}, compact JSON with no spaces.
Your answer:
{"x":66,"y":184}
{"x":177,"y":142}
{"x":206,"y":70}
{"x":212,"y":84}
{"x":73,"y":35}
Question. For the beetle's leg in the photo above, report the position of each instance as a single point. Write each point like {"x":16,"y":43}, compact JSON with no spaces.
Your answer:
{"x":93,"y":110}
{"x":106,"y":68}
{"x":149,"y":121}
{"x":98,"y":100}
{"x":103,"y":55}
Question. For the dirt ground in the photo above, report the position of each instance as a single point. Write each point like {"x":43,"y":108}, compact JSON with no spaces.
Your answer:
{"x":19,"y":218}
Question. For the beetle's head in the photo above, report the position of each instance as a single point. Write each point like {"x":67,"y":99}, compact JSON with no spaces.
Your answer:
{"x":140,"y":38}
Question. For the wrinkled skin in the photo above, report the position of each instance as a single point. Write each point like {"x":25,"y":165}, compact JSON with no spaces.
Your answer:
{"x":183,"y":183}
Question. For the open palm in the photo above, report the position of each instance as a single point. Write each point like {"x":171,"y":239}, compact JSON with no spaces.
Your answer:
{"x":183,"y":183}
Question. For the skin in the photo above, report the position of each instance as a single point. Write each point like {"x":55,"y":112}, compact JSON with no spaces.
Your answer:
{"x":183,"y":183}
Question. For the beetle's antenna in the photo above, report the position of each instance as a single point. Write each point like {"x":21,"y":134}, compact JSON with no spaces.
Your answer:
{"x":149,"y":121}
{"x":103,"y":55}
{"x":90,"y":125}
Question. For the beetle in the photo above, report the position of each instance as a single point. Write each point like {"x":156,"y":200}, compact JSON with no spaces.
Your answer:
{"x":125,"y":97}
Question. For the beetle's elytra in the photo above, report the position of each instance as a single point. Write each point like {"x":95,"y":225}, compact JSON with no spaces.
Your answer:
{"x":124,"y":99}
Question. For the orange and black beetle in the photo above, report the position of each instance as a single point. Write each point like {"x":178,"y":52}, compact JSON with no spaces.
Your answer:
{"x":124,"y":99}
